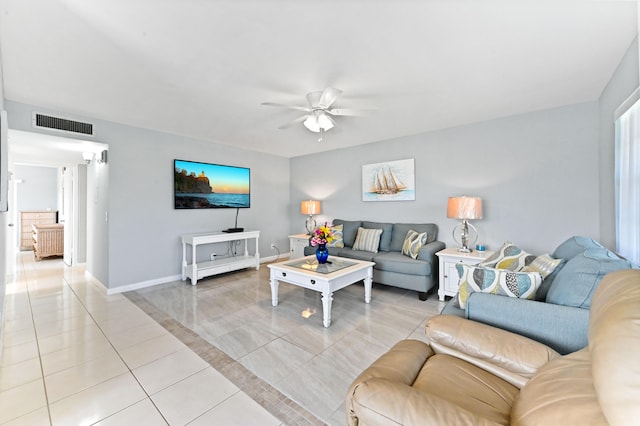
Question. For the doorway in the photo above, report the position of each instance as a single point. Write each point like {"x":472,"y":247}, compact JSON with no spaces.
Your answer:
{"x":70,"y":158}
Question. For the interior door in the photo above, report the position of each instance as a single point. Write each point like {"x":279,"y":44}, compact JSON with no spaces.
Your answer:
{"x":67,"y":214}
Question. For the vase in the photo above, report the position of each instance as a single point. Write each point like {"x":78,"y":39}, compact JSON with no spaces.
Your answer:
{"x":322,"y":254}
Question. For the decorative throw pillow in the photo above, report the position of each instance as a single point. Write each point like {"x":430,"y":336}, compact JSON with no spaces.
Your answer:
{"x":496,"y":281}
{"x":367,"y":240}
{"x":338,"y":240}
{"x":544,"y":264}
{"x":509,"y":257}
{"x":412,"y":243}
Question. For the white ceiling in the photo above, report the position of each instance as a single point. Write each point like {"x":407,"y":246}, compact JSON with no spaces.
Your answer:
{"x":201,"y":68}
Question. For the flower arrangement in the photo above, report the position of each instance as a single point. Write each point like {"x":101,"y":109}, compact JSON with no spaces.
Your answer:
{"x":322,"y":235}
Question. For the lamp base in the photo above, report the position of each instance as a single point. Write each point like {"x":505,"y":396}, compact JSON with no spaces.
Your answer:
{"x":310,"y":224}
{"x":466,"y":235}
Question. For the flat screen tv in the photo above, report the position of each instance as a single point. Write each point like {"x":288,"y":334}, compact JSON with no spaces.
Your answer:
{"x":211,"y":186}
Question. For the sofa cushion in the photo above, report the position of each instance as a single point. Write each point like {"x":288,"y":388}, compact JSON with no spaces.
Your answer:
{"x":413,"y":242}
{"x":385,"y":238}
{"x":509,"y":257}
{"x":399,"y":232}
{"x":578,"y":279}
{"x":495,"y":281}
{"x":574,"y":246}
{"x":397,"y":262}
{"x":357,"y":254}
{"x":338,"y":236}
{"x":367,"y":240}
{"x":349,"y":231}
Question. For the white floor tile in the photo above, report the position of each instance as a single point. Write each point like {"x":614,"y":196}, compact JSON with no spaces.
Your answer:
{"x":21,"y":400}
{"x":98,"y":402}
{"x":83,"y":376}
{"x":168,"y":370}
{"x":189,"y":398}
{"x":239,"y":410}
{"x":142,"y":413}
{"x":19,"y":374}
{"x":151,"y":350}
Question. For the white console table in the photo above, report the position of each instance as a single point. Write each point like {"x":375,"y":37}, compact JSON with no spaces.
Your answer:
{"x":197,"y":271}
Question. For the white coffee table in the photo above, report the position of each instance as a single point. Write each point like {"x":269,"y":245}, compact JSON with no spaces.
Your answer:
{"x":325,"y":279}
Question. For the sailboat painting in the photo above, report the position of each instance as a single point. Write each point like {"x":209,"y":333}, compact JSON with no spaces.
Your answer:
{"x":390,"y":181}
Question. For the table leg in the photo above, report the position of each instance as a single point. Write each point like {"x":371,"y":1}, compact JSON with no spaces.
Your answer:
{"x":274,"y":288}
{"x":367,"y":286}
{"x":327,"y":299}
{"x":184,"y":261}
{"x":194,"y":266}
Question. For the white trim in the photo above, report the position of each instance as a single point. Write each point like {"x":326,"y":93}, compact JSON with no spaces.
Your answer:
{"x":157,"y":281}
{"x":628,"y":103}
{"x":143,"y":284}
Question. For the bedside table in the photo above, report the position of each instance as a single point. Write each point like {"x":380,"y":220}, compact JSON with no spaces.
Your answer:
{"x":448,"y":259}
{"x":297,"y":243}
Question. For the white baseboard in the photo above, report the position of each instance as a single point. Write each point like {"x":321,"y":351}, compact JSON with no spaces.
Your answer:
{"x":164,"y":280}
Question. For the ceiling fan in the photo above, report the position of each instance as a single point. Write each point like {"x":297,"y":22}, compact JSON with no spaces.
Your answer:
{"x":318,"y":117}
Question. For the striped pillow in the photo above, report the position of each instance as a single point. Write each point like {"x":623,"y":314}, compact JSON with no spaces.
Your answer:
{"x":413,"y":242}
{"x":543,"y":264}
{"x":367,"y":240}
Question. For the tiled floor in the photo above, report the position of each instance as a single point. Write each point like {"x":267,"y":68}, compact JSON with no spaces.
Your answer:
{"x":216,"y":353}
{"x":73,"y":356}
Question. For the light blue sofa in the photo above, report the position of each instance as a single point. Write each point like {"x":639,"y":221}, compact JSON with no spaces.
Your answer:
{"x":559,"y":317}
{"x":392,"y":267}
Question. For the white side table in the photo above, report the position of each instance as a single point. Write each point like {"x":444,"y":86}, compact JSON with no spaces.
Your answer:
{"x":448,"y":259}
{"x":297,"y":243}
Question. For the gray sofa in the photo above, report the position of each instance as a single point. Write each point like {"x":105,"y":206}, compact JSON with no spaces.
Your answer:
{"x":392,"y":267}
{"x":559,"y":317}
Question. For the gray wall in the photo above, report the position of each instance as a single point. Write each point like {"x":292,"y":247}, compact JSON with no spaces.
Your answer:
{"x":624,"y":81}
{"x":537,"y":174}
{"x":39,"y":187}
{"x":140,"y":242}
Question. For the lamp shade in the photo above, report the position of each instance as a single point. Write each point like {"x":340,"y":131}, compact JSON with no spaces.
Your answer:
{"x":310,"y":207}
{"x":464,"y":207}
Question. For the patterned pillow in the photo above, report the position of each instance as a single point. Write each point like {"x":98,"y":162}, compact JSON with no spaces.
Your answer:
{"x":367,"y":240}
{"x":338,"y":240}
{"x":544,"y":264}
{"x":509,"y":257}
{"x":495,"y":281}
{"x":412,"y":243}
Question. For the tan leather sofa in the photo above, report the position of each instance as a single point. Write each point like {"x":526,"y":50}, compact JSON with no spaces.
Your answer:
{"x":474,"y":374}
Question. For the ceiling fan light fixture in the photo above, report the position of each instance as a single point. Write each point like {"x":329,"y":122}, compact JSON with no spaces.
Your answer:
{"x":318,"y":120}
{"x":324,"y":122}
{"x":311,"y":123}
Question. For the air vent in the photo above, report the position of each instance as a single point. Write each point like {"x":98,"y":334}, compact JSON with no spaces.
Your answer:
{"x":61,"y":124}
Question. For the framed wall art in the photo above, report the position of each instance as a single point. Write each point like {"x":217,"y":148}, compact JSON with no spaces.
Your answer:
{"x":389,"y":181}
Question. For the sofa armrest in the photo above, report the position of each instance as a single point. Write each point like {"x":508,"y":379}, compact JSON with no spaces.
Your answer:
{"x":510,"y":356}
{"x":563,"y":328}
{"x":428,"y":251}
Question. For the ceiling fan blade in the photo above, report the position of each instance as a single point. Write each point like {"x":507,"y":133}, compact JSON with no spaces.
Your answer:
{"x":313,"y":99}
{"x":296,"y":107}
{"x":293,"y":122}
{"x":348,"y":111}
{"x":328,"y":97}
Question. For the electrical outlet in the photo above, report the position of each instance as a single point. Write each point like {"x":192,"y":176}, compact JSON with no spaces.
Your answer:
{"x":273,"y":246}
{"x":213,"y":256}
